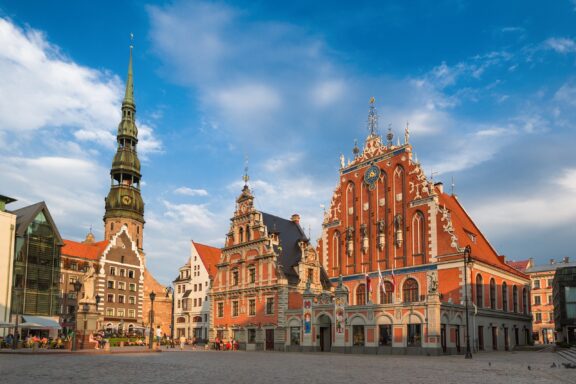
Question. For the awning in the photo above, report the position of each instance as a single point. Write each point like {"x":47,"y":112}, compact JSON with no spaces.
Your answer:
{"x":40,"y":322}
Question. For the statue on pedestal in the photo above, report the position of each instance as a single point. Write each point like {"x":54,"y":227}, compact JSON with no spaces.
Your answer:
{"x":89,"y":283}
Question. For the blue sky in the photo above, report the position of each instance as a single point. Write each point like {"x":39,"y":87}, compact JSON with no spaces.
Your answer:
{"x":489,"y":90}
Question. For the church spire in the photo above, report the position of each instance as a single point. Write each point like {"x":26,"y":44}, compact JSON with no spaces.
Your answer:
{"x":372,"y":118}
{"x":129,"y":94}
{"x":124,"y":203}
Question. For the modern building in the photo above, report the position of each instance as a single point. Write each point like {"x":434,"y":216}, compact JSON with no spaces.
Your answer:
{"x":191,"y":287}
{"x":406,"y":257}
{"x":36,"y":271}
{"x":266,"y":266}
{"x":564,"y":297}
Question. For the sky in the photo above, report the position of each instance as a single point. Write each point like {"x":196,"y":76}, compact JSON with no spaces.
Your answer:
{"x":488,"y":88}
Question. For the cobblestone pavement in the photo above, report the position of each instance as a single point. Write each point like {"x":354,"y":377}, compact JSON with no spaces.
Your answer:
{"x":259,"y":367}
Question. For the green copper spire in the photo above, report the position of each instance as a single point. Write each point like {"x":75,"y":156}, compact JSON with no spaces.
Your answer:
{"x":124,"y":200}
{"x":129,"y":95}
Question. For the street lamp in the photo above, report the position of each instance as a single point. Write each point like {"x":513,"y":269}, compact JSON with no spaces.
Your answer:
{"x":18,"y":301}
{"x":98,"y":298}
{"x":152,"y":297}
{"x":85,"y":309}
{"x":77,"y":288}
{"x":467,"y":259}
{"x":170,"y":290}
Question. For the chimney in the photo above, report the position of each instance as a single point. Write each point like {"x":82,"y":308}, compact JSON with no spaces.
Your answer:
{"x":440,"y":186}
{"x":552,"y":262}
{"x":296,"y":218}
{"x":566,"y":260}
{"x":530,"y":262}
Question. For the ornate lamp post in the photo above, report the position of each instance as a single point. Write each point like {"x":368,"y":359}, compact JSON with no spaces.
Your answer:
{"x":152,"y":297}
{"x":77,"y":288}
{"x":467,"y":259}
{"x":170,"y":290}
{"x":85,"y":309}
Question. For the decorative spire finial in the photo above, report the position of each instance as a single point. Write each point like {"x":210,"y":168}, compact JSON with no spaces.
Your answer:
{"x":389,"y":136}
{"x":407,"y":133}
{"x":372,"y":118}
{"x":453,"y":185}
{"x":246,"y":177}
{"x":356,"y":150}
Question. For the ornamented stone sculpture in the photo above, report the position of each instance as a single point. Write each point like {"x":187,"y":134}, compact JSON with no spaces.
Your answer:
{"x":89,"y":283}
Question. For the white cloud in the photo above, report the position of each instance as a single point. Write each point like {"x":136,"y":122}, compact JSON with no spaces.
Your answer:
{"x":190,"y":214}
{"x":568,"y":180}
{"x":190,"y":192}
{"x":560,"y":44}
{"x":327,"y":92}
{"x":41,"y":88}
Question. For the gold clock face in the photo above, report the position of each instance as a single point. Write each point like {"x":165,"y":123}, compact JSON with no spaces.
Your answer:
{"x":126,"y":200}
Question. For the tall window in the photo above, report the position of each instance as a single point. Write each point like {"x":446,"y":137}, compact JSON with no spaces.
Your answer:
{"x":536,"y":284}
{"x":235,"y":308}
{"x":252,"y":273}
{"x":515,"y":298}
{"x":251,"y":335}
{"x":269,"y":305}
{"x":504,"y":296}
{"x":247,"y":233}
{"x":252,"y":307}
{"x":410,"y":291}
{"x":524,"y":301}
{"x":418,"y":234}
{"x":479,"y":291}
{"x":537,"y":300}
{"x":386,"y":297}
{"x":492,"y":294}
{"x":241,"y":234}
{"x":361,"y":294}
{"x":385,"y":334}
{"x":235,"y":277}
{"x":336,"y":249}
{"x":112,"y":271}
{"x":220,"y":309}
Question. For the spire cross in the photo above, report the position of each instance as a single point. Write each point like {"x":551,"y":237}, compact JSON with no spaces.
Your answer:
{"x":131,"y":40}
{"x":407,"y":133}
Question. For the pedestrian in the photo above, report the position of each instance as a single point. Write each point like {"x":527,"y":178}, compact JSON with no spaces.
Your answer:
{"x":158,"y":335}
{"x":182,"y":342}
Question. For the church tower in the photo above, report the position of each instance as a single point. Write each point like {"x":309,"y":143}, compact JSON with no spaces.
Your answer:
{"x":124,"y":205}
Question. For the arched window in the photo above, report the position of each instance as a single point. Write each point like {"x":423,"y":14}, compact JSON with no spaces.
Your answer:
{"x":386,"y":297}
{"x":241,"y":235}
{"x":504,"y":296}
{"x":410,"y":291}
{"x":492,"y":293}
{"x":524,"y":301}
{"x":361,"y":294}
{"x":336,"y":249}
{"x":479,"y":291}
{"x":247,"y":233}
{"x":515,"y":298}
{"x":418,"y":240}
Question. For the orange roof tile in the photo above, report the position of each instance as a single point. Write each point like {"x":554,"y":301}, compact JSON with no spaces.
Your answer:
{"x":89,"y":251}
{"x":463,"y":226}
{"x":519,"y":265}
{"x":210,"y":257}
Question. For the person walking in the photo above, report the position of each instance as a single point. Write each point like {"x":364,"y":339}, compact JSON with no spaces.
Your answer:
{"x":182,"y":342}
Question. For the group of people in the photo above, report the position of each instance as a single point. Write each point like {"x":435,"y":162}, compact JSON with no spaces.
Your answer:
{"x":225,"y":345}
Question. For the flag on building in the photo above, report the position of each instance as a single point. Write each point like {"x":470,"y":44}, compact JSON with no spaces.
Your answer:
{"x":393,"y":281}
{"x":368,"y":281}
{"x":381,"y":280}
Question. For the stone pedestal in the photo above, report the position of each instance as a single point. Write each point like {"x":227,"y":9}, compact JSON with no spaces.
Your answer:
{"x":86,"y":324}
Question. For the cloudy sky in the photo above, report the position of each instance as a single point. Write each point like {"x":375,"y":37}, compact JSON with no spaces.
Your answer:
{"x":489,"y":91}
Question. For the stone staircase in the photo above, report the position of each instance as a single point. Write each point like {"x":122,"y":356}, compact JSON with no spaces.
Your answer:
{"x":568,"y":355}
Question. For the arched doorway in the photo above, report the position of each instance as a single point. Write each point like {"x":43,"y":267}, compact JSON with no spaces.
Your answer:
{"x":325,"y":331}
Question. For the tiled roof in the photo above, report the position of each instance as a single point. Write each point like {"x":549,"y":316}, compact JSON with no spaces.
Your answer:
{"x":519,"y":265}
{"x":463,"y":225}
{"x":89,"y":251}
{"x":210,"y":257}
{"x":550,"y":267}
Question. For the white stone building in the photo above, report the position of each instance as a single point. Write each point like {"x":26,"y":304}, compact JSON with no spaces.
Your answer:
{"x":192,"y":305}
